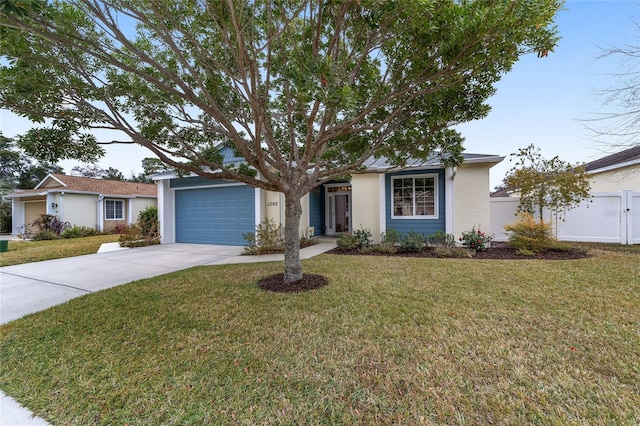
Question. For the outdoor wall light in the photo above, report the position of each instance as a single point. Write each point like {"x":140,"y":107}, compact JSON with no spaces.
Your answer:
{"x":54,"y":205}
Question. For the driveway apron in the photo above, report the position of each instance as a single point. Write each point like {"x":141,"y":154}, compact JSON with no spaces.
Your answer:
{"x":32,"y":287}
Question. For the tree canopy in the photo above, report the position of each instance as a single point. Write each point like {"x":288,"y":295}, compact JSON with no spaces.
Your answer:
{"x":303,"y":90}
{"x":542,"y":183}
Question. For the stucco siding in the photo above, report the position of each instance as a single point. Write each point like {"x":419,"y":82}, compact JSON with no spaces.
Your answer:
{"x":79,"y":210}
{"x":140,"y":204}
{"x":272,"y":207}
{"x":617,"y":180}
{"x":471,"y":199}
{"x":365,"y":192}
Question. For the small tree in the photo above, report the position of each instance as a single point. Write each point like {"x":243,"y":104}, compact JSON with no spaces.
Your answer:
{"x":542,"y":183}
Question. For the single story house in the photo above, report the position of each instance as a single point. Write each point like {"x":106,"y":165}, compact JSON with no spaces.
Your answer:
{"x":616,"y":172}
{"x":81,"y":201}
{"x":424,"y":197}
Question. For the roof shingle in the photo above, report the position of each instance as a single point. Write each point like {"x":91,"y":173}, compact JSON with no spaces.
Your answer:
{"x":625,"y":156}
{"x":98,"y":186}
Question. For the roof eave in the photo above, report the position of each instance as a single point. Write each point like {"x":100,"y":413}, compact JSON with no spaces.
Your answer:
{"x":615,"y":166}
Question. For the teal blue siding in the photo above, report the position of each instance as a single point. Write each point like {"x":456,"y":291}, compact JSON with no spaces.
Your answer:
{"x":425,"y":226}
{"x":316,"y":210}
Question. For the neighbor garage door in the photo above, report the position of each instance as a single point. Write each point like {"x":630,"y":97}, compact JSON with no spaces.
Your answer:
{"x":215,"y":215}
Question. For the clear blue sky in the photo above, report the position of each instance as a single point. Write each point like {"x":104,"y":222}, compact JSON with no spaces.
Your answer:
{"x":544,"y":101}
{"x":547,"y":101}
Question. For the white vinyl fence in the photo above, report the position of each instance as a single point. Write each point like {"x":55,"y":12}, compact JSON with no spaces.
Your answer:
{"x":607,"y":217}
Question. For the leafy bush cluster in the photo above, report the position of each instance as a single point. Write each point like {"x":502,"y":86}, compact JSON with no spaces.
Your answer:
{"x":412,"y":242}
{"x":476,"y":239}
{"x":359,"y":239}
{"x":45,"y":227}
{"x":144,"y":232}
{"x":268,"y":238}
{"x":79,"y":232}
{"x":530,"y":236}
{"x":441,"y":240}
{"x":392,"y":241}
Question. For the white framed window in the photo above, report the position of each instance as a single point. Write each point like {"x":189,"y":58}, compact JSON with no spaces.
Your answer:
{"x":114,"y":209}
{"x":414,"y":196}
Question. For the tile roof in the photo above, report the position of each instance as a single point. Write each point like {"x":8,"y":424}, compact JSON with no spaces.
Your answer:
{"x":625,"y":156}
{"x":92,"y":185}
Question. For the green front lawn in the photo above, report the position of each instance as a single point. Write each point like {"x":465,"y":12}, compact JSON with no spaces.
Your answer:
{"x":36,"y":251}
{"x":388,"y":341}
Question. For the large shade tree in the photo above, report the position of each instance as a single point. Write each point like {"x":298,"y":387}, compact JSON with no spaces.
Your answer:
{"x":303,"y":90}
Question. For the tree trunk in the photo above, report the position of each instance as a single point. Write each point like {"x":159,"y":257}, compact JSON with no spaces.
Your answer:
{"x":292,"y":265}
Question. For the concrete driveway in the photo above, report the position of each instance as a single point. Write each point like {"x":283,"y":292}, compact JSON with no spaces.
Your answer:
{"x":32,"y":287}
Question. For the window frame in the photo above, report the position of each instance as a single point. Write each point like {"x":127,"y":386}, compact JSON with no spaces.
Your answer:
{"x":106,"y":209}
{"x":436,"y":192}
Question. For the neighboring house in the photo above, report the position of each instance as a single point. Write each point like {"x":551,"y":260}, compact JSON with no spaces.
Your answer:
{"x":424,"y":197}
{"x":96,"y":203}
{"x":616,"y":172}
{"x":610,"y":215}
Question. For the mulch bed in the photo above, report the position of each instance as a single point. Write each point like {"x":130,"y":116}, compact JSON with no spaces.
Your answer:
{"x":308,"y":282}
{"x":498,"y":250}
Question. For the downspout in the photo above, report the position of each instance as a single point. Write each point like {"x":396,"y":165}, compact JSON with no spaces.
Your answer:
{"x":130,"y":211}
{"x":60,"y":207}
{"x":382,"y":208}
{"x":100,"y":213}
{"x":450,"y":174}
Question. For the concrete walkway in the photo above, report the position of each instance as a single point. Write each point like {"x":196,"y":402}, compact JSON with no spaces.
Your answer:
{"x":32,"y":287}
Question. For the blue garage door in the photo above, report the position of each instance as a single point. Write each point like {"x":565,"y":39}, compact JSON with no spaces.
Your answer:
{"x":215,"y":215}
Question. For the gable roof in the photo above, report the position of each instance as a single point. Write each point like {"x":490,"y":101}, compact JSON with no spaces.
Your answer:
{"x":64,"y":183}
{"x":620,"y":159}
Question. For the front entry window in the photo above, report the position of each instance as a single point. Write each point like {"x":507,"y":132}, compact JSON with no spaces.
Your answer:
{"x":114,"y":209}
{"x":414,"y":196}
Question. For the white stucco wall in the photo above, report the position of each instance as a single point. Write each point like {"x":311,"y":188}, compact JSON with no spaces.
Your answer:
{"x":617,"y":180}
{"x":78,"y":209}
{"x":272,"y":207}
{"x":166,"y":212}
{"x":471,"y":199}
{"x":365,"y":203}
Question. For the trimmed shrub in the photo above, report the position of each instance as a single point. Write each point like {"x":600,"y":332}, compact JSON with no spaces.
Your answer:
{"x":441,"y":239}
{"x":45,"y":235}
{"x":412,"y":242}
{"x":347,"y":242}
{"x":529,"y":236}
{"x":47,"y":222}
{"x":476,"y":239}
{"x":148,"y":222}
{"x":390,"y":236}
{"x":382,"y":248}
{"x":268,"y":238}
{"x":452,"y":252}
{"x":120,"y":228}
{"x":144,"y":232}
{"x":363,"y":237}
{"x":79,"y":232}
